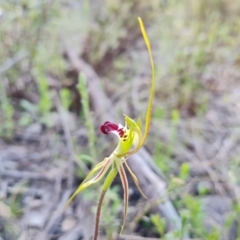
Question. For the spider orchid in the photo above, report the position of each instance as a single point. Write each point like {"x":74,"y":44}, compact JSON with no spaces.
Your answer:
{"x":130,"y":140}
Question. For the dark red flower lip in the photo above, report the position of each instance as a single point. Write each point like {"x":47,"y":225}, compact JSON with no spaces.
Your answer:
{"x":108,"y":127}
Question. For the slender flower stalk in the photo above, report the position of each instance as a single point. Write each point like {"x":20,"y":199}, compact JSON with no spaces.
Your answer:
{"x":130,"y":140}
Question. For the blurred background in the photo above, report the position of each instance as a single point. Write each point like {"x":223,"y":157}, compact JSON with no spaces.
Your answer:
{"x":50,"y":115}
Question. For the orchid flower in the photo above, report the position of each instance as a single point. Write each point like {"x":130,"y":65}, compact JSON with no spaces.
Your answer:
{"x":130,"y":140}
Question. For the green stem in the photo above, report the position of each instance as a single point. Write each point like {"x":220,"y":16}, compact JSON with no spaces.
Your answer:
{"x":106,"y":186}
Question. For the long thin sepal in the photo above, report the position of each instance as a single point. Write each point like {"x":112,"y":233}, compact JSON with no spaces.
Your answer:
{"x":150,"y":103}
{"x":124,"y":181}
{"x":135,"y":180}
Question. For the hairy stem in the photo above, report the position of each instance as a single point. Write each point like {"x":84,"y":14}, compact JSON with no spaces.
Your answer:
{"x":97,"y":220}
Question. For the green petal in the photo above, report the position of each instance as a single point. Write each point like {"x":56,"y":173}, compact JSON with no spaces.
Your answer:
{"x":95,"y":169}
{"x":136,"y":126}
{"x":124,"y":145}
{"x":137,"y":134}
{"x":139,"y":123}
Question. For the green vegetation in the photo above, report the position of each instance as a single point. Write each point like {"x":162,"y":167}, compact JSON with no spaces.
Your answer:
{"x":82,"y":88}
{"x":196,"y":52}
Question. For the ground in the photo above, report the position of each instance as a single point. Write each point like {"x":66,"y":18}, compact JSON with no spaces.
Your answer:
{"x":50,"y":117}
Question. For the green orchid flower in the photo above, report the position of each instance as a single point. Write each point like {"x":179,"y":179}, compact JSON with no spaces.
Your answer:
{"x":130,"y":140}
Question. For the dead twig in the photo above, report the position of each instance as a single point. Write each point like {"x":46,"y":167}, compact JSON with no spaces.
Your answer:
{"x":25,"y":175}
{"x":54,"y":217}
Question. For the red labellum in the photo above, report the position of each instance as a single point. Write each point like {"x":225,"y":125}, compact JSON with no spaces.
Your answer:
{"x":110,"y":127}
